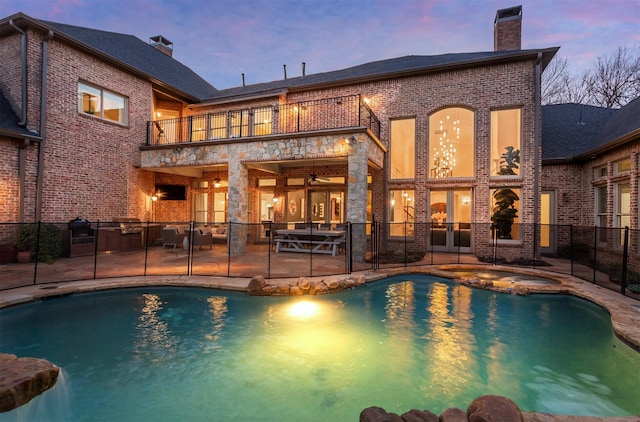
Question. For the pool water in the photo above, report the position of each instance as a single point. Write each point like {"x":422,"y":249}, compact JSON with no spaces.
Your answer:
{"x":406,"y":342}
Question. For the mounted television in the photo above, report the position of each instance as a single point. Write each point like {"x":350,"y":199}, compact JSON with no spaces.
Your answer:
{"x":171,"y":192}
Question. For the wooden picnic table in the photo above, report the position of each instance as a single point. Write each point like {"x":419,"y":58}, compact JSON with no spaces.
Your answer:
{"x":306,"y":240}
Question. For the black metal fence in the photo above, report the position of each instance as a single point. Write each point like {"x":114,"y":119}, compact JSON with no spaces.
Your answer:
{"x":55,"y":253}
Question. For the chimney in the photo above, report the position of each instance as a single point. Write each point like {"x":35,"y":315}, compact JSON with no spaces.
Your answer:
{"x":161,"y":43}
{"x":507,"y":29}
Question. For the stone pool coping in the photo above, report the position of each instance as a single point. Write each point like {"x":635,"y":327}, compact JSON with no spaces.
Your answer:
{"x":624,"y":311}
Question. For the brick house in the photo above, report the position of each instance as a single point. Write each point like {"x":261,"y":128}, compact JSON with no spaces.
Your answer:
{"x":423,"y":143}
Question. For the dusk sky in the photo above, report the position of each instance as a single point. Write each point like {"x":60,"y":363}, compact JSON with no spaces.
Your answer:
{"x":222,"y":39}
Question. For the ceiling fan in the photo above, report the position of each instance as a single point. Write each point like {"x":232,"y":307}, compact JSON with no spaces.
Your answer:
{"x":315,"y":179}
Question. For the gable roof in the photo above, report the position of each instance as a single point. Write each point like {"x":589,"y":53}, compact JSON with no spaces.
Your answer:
{"x":9,"y":121}
{"x":576,"y":131}
{"x":132,"y":53}
{"x":384,"y":69}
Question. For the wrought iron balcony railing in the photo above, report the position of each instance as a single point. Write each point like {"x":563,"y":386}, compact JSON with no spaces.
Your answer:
{"x":316,"y":115}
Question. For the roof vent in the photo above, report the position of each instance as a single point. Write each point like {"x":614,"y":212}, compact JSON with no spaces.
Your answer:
{"x":507,"y":29}
{"x":161,"y":43}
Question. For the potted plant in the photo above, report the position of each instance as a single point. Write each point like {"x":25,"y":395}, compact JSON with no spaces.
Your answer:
{"x":504,"y":211}
{"x":39,"y":240}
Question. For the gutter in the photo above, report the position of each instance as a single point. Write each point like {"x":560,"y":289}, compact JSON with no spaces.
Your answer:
{"x":23,"y":60}
{"x":43,"y":123}
{"x":537,"y":150}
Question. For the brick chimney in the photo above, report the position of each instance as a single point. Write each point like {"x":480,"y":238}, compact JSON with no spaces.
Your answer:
{"x":507,"y":29}
{"x":161,"y":43}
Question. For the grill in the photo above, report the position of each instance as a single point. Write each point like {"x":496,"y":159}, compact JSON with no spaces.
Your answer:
{"x":79,"y":227}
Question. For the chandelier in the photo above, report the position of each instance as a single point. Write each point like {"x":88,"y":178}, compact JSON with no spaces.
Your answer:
{"x":444,"y":152}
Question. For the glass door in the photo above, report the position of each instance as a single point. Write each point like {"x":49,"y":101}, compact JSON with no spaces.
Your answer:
{"x":450,"y":215}
{"x":327,"y":207}
{"x":266,"y":214}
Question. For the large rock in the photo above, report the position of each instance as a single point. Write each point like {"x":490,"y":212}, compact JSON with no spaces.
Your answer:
{"x":415,"y":415}
{"x":453,"y":414}
{"x":256,"y":286}
{"x":493,"y":409}
{"x":22,"y":379}
{"x":378,"y":414}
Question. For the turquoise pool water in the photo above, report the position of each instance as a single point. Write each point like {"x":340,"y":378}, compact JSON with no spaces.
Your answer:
{"x":407,"y":342}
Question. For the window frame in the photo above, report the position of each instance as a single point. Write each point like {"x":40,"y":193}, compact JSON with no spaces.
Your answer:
{"x":399,"y":145}
{"x":601,"y":213}
{"x":517,"y":223}
{"x":84,"y":88}
{"x":621,"y":215}
{"x":495,"y":154}
{"x":455,"y":147}
{"x":409,"y":194}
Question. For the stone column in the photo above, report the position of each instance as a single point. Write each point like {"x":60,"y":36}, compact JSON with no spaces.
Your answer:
{"x":357,"y":198}
{"x":237,"y":205}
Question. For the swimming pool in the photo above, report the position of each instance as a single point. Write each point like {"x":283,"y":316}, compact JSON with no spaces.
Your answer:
{"x":406,"y":342}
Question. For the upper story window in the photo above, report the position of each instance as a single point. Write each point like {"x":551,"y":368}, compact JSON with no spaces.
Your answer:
{"x":451,"y":143}
{"x":623,"y":166}
{"x":403,"y":149}
{"x":505,"y":142}
{"x":101,"y":103}
{"x":600,"y":172}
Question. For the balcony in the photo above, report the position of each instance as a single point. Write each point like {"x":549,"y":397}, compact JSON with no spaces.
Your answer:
{"x":308,"y":116}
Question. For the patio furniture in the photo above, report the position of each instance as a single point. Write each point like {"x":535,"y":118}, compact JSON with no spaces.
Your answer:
{"x":309,"y":241}
{"x":200,"y":239}
{"x":171,"y":237}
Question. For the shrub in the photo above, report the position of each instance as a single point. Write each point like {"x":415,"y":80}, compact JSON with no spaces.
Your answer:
{"x":44,"y":243}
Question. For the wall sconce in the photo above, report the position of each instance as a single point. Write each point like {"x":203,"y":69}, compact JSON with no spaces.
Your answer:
{"x":351,"y":140}
{"x":367,"y":100}
{"x":466,"y":200}
{"x":154,"y":197}
{"x":275,"y":200}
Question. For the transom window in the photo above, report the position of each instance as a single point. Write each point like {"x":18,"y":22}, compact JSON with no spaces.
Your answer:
{"x":623,"y":166}
{"x":101,"y":103}
{"x":505,"y":142}
{"x":451,"y":143}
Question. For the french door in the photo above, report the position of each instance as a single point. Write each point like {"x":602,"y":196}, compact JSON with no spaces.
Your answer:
{"x":326,"y":206}
{"x":450,"y":215}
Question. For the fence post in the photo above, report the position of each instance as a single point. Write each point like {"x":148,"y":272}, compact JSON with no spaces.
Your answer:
{"x":95,"y":250}
{"x":190,"y":250}
{"x":595,"y":252}
{"x":571,"y":246}
{"x":37,"y":257}
{"x":625,"y":253}
{"x":495,"y":243}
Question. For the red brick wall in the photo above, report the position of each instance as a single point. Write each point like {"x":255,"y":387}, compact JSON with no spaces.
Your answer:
{"x":90,"y":164}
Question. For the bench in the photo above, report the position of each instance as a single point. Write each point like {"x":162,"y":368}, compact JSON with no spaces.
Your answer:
{"x":296,"y":245}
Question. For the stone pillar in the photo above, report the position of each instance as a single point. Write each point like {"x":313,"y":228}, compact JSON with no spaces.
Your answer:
{"x":237,"y":205}
{"x":357,"y":198}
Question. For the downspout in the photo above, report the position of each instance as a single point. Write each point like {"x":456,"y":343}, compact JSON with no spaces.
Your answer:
{"x":23,"y":58}
{"x":43,"y":122}
{"x":536,"y":156}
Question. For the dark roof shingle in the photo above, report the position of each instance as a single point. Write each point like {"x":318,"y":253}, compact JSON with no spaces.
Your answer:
{"x":9,"y":120}
{"x":139,"y":55}
{"x":573,"y":130}
{"x":381,"y":68}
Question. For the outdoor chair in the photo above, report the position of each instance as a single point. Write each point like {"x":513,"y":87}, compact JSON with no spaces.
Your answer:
{"x":200,"y":239}
{"x":171,"y":237}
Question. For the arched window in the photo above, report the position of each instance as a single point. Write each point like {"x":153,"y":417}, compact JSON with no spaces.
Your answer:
{"x":451,"y":143}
